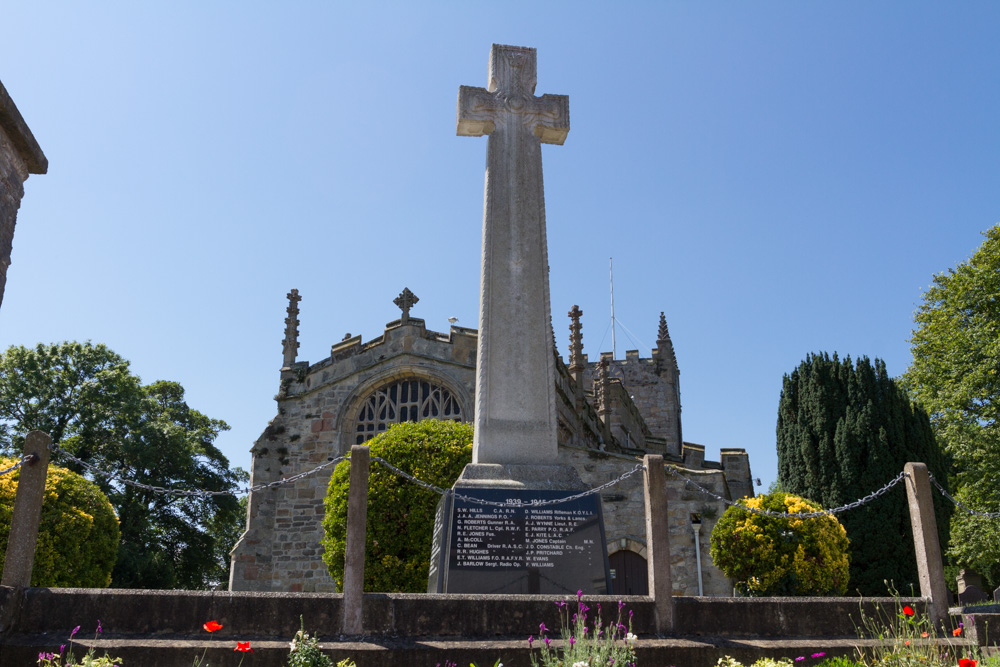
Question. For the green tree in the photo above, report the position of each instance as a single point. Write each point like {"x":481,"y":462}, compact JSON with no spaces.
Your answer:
{"x":776,"y":556}
{"x":844,"y":430}
{"x":400,"y":514}
{"x":86,"y":397}
{"x":77,"y":535}
{"x":955,"y":375}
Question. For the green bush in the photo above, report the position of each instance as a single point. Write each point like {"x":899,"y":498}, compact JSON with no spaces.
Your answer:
{"x":400,"y":513}
{"x":78,"y":534}
{"x":773,"y":556}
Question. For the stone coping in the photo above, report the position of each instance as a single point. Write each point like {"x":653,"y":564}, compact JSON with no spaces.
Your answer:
{"x":14,"y":126}
{"x":276,"y":615}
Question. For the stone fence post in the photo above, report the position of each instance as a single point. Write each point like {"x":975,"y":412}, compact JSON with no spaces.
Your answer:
{"x":354,"y":557}
{"x":27,"y":512}
{"x":930,"y":567}
{"x":658,"y":542}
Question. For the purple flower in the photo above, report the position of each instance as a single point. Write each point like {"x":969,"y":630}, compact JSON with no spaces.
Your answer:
{"x":818,"y":655}
{"x":75,"y":630}
{"x":546,"y":641}
{"x":98,"y":626}
{"x":800,"y":658}
{"x":531,"y":638}
{"x":62,"y":647}
{"x":620,"y":605}
{"x":579,"y":594}
{"x":583,"y":608}
{"x":572,"y":640}
{"x":585,"y":629}
{"x":630,"y":614}
{"x":574,"y":619}
{"x":560,"y":603}
{"x":542,"y":629}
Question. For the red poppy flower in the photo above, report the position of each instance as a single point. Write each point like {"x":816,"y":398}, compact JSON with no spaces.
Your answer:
{"x":924,"y":635}
{"x":908,"y":610}
{"x":965,"y":662}
{"x":956,"y":632}
{"x":212,"y":626}
{"x":243,"y":647}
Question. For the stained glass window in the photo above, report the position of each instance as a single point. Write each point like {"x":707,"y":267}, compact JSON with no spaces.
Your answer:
{"x":403,"y":401}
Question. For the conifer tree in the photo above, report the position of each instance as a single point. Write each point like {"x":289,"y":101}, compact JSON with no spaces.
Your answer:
{"x":845,"y":430}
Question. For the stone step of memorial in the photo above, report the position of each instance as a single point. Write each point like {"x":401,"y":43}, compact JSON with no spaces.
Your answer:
{"x":183,"y":651}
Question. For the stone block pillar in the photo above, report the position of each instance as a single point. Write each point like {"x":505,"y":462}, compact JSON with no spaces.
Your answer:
{"x":930,"y":567}
{"x":19,"y":157}
{"x":658,"y":542}
{"x":354,"y":558}
{"x":27,"y":511}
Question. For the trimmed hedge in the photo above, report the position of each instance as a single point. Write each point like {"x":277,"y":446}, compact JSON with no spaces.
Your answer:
{"x":772,"y":556}
{"x":78,"y":534}
{"x":400,"y":513}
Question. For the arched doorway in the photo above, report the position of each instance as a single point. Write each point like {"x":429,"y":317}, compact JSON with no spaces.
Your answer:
{"x":628,"y":573}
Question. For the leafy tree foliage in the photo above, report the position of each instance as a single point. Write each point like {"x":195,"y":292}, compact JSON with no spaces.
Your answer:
{"x":844,"y":430}
{"x":88,"y":400}
{"x":400,"y":514}
{"x":955,"y":375}
{"x":773,"y":556}
{"x":77,"y":535}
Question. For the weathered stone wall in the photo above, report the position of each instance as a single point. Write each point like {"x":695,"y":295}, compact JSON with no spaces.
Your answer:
{"x":13,"y":173}
{"x":624,"y":510}
{"x":316,"y":411}
{"x":652,"y":386}
{"x":19,"y":156}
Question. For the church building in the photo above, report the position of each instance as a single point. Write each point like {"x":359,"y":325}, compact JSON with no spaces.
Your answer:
{"x":611,"y":412}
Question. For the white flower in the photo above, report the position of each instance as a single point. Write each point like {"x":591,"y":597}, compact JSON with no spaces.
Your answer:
{"x":630,"y":638}
{"x":580,"y":664}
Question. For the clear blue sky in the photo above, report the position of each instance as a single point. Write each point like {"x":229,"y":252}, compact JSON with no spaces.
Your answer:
{"x":778,"y":177}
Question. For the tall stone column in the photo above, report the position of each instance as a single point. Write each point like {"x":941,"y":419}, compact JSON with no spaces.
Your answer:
{"x":515,"y":376}
{"x":20,"y":156}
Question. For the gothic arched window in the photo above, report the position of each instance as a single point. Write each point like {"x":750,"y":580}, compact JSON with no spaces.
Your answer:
{"x":404,"y":401}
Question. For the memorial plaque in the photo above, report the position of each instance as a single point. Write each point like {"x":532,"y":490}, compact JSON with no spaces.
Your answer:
{"x":552,"y":549}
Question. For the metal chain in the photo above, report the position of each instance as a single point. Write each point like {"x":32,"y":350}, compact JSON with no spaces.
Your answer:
{"x":790,"y":515}
{"x":185,"y":493}
{"x":956,"y":501}
{"x":493,"y":503}
{"x":24,"y":459}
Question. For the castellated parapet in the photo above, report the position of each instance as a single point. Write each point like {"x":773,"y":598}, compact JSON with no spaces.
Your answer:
{"x":605,"y":426}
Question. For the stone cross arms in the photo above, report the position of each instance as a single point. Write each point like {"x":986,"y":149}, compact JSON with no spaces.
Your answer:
{"x":510,"y":98}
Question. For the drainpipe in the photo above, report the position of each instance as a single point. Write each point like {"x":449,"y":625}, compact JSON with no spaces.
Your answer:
{"x":696,"y":527}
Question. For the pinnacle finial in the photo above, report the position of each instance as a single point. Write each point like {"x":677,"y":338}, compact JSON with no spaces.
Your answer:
{"x":664,"y":346}
{"x":404,"y":302}
{"x":576,"y":361}
{"x":290,"y":345}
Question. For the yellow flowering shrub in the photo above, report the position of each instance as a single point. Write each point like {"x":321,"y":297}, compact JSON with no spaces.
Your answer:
{"x":78,"y":533}
{"x":775,"y":556}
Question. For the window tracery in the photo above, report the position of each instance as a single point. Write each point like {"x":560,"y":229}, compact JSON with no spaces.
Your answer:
{"x":402,"y":401}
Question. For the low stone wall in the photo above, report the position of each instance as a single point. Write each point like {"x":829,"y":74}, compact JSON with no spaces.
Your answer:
{"x":164,"y":628}
{"x":276,"y":615}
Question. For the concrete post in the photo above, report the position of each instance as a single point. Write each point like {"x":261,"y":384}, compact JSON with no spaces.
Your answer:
{"x":27,"y":512}
{"x":930,"y":567}
{"x":658,"y":542}
{"x":354,"y":558}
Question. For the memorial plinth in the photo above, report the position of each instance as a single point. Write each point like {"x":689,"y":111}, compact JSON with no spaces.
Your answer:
{"x":520,"y":547}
